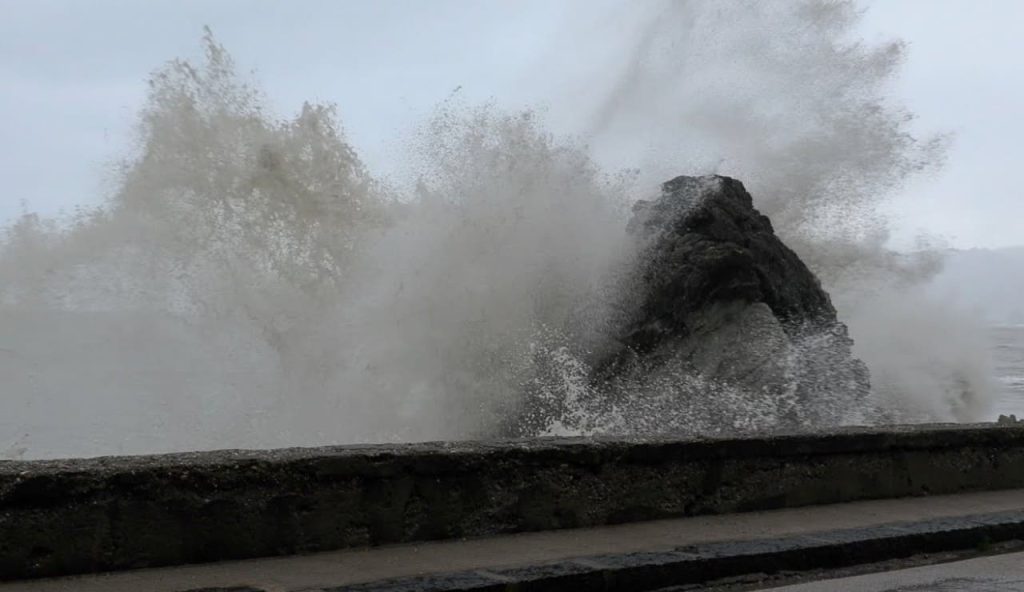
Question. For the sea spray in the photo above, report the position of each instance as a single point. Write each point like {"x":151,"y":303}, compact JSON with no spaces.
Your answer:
{"x":252,"y":284}
{"x":788,"y":98}
{"x":313,"y":304}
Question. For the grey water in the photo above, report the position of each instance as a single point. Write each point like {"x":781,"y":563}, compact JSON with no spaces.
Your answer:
{"x":1008,"y":365}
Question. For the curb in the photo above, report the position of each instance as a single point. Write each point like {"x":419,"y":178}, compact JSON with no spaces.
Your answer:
{"x":697,"y":564}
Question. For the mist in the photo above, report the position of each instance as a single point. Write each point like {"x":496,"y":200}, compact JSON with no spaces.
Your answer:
{"x":251,"y":282}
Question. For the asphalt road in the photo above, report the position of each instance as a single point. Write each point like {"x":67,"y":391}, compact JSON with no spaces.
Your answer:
{"x":997,"y":573}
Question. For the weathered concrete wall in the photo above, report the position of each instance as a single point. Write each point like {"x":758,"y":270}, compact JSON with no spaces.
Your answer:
{"x":74,"y":516}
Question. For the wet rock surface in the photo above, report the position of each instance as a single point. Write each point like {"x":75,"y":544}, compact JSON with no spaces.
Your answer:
{"x":717,"y":296}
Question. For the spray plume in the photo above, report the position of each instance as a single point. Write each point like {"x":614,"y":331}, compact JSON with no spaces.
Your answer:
{"x":251,"y":284}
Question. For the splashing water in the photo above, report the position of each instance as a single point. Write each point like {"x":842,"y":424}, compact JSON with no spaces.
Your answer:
{"x":252,"y":284}
{"x":788,"y":99}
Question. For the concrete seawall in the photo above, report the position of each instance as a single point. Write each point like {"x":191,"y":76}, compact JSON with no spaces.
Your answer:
{"x":78,"y":516}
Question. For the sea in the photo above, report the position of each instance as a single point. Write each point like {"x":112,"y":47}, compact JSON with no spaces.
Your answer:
{"x":1008,"y":366}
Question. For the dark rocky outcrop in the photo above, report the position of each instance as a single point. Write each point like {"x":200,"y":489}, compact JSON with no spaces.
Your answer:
{"x":704,"y":244}
{"x":717,"y":296}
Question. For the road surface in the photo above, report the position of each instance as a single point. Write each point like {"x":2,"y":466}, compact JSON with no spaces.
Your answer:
{"x":997,"y":573}
{"x":354,"y":566}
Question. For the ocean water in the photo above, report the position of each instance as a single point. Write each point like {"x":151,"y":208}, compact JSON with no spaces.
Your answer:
{"x":1008,"y":364}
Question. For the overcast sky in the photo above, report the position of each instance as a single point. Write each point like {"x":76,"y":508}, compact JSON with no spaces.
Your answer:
{"x":72,"y":76}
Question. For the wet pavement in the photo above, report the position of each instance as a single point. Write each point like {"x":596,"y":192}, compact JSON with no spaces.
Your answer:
{"x":997,"y":573}
{"x":701,"y":539}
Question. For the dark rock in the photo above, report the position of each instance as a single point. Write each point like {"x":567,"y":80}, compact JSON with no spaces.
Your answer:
{"x":707,"y":244}
{"x":717,"y":296}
